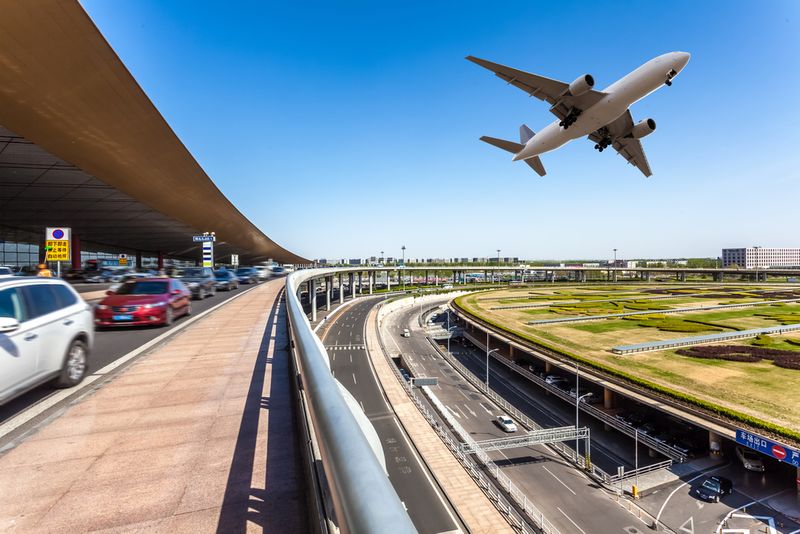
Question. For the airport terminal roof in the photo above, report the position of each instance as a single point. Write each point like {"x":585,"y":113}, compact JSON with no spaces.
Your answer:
{"x":81,"y":145}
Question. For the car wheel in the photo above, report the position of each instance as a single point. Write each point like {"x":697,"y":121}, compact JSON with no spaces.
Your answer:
{"x":716,"y":498}
{"x":75,"y":364}
{"x":200,"y":294}
{"x":213,"y":291}
{"x":169,"y":316}
{"x":188,"y":308}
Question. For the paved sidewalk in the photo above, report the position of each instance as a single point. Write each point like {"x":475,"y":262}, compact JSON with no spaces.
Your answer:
{"x":196,"y":436}
{"x":473,"y":507}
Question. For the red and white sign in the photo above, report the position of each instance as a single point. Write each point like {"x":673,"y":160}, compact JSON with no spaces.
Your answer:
{"x":778,"y":452}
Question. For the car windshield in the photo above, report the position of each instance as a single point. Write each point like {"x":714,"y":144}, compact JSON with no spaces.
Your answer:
{"x":245,"y":270}
{"x":142,"y":288}
{"x":192,"y":273}
{"x":6,"y":270}
{"x":506,"y":420}
{"x":222,"y":275}
{"x":712,"y":485}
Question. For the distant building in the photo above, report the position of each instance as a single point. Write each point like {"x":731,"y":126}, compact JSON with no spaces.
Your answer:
{"x":752,"y":258}
{"x":355,"y":261}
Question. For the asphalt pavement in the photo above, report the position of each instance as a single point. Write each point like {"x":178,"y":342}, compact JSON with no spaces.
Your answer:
{"x":109,"y":346}
{"x":350,"y":365}
{"x":570,"y":500}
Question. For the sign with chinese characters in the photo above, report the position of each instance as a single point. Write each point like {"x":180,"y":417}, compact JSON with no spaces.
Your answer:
{"x":203,"y":238}
{"x":768,"y":447}
{"x":57,"y":244}
{"x":235,"y":260}
{"x":208,"y":254}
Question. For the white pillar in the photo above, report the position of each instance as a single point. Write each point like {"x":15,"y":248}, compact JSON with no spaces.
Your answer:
{"x":328,"y":288}
{"x":312,"y":298}
{"x":341,"y":289}
{"x":371,"y":276}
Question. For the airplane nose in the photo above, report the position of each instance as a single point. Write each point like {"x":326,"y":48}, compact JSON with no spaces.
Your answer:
{"x":683,"y":59}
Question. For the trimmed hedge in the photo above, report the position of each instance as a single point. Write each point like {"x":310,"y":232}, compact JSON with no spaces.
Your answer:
{"x":715,"y":409}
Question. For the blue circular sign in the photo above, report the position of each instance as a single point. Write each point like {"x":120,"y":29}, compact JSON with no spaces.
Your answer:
{"x":58,"y":233}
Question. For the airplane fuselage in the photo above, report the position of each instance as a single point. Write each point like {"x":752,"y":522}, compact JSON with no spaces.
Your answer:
{"x":619,"y":97}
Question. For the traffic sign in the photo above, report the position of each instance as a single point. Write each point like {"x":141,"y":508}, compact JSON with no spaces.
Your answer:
{"x":203,"y":238}
{"x":425,"y":381}
{"x":208,"y":254}
{"x":58,"y":241}
{"x":123,"y":259}
{"x":768,"y":447}
{"x":235,"y":260}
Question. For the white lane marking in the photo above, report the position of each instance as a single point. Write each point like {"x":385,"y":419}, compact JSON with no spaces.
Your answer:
{"x":485,"y":409}
{"x":560,"y":481}
{"x":425,"y":471}
{"x":658,"y":517}
{"x":334,"y":356}
{"x":354,"y":379}
{"x":351,"y":358}
{"x":48,"y":402}
{"x":470,"y":410}
{"x":453,"y":412}
{"x":729,"y":514}
{"x":362,"y":406}
{"x":570,"y":520}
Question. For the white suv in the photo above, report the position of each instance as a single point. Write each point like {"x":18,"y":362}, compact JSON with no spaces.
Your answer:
{"x":46,"y":332}
{"x":264,"y":272}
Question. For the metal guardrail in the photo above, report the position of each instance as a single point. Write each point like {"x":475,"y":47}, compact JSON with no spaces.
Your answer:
{"x":625,"y":428}
{"x":533,"y":437}
{"x":363,"y":497}
{"x":641,"y":471}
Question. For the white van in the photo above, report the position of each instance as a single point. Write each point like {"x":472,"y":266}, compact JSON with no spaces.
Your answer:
{"x":406,"y":333}
{"x":46,"y":333}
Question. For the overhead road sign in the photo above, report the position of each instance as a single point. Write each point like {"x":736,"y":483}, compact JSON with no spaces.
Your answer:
{"x":57,"y":243}
{"x":768,"y":447}
{"x":235,"y":260}
{"x":203,"y":238}
{"x":425,"y":381}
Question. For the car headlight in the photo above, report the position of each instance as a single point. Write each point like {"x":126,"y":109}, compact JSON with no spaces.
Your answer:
{"x":102,"y":307}
{"x":154,"y":305}
{"x":192,"y":285}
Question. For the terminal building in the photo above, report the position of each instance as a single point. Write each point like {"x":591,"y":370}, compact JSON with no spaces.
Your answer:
{"x":760,"y":257}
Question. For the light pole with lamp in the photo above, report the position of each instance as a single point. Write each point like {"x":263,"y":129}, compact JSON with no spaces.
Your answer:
{"x":578,"y":399}
{"x":403,"y":248}
{"x":488,"y":354}
{"x":498,"y":265}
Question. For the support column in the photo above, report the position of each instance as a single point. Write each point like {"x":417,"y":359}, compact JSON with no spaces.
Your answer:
{"x":328,"y":289}
{"x":351,"y":279}
{"x":160,"y":261}
{"x":312,"y":298}
{"x":76,"y":251}
{"x":609,"y":403}
{"x":715,"y":444}
{"x":427,"y":281}
{"x":138,"y":259}
{"x":681,"y":276}
{"x":614,"y":276}
{"x":548,"y":367}
{"x":371,"y":275}
{"x":388,"y":281}
{"x":360,"y":283}
{"x":341,"y":289}
{"x":511,"y":352}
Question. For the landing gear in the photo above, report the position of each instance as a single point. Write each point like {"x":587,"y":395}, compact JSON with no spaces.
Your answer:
{"x":671,"y":74}
{"x":604,"y":143}
{"x":571,"y":117}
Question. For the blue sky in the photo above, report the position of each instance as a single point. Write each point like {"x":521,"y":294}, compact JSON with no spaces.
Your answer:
{"x":345,"y":128}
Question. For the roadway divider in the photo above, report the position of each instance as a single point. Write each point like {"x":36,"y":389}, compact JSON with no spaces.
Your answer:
{"x":362,"y":495}
{"x":498,"y":499}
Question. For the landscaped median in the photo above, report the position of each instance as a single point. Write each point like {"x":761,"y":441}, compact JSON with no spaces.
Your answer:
{"x":750,"y":392}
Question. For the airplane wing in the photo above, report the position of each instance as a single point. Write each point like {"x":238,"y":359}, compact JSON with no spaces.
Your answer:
{"x":554,"y":92}
{"x":629,"y":148}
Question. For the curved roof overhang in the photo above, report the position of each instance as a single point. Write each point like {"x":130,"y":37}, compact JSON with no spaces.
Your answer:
{"x":97,"y":138}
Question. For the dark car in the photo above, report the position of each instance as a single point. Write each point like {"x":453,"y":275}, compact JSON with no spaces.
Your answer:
{"x":247,"y":275}
{"x":713,"y":488}
{"x":226,"y":280}
{"x":145,"y":301}
{"x":200,"y":281}
{"x":75,"y":275}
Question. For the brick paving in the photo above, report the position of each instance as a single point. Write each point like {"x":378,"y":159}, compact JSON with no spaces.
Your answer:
{"x":196,"y":436}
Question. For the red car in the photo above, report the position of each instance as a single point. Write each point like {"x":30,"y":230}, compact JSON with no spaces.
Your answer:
{"x":144,"y":301}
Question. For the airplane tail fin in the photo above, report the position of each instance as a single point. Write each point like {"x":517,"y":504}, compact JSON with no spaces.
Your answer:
{"x":508,"y":146}
{"x":536,"y":164}
{"x":525,"y":134}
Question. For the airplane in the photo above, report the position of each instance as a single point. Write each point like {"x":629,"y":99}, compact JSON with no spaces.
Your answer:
{"x":603,"y":116}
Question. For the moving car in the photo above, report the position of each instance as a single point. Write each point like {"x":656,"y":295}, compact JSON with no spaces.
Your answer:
{"x":713,"y":488}
{"x":247,"y":275}
{"x":146,"y":301}
{"x":226,"y":280}
{"x":264,"y":272}
{"x":200,"y":281}
{"x":505,"y":423}
{"x":6,"y":272}
{"x":46,"y":333}
{"x":558,"y":381}
{"x":751,"y":460}
{"x":406,"y":333}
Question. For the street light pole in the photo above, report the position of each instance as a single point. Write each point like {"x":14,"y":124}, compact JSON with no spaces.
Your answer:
{"x":498,"y":264}
{"x":403,"y":248}
{"x":756,"y":249}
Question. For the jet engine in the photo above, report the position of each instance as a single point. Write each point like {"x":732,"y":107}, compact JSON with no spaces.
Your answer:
{"x":581,"y":85}
{"x":642,"y":128}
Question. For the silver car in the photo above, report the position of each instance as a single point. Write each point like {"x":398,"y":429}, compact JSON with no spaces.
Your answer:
{"x":751,"y":460}
{"x":46,"y":333}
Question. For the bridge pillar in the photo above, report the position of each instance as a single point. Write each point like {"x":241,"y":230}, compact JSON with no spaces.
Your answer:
{"x":371,"y":276}
{"x":138,"y":260}
{"x":160,"y":261}
{"x":609,"y":399}
{"x":328,"y":288}
{"x":341,"y":288}
{"x":715,"y":444}
{"x":427,"y":273}
{"x":548,"y":367}
{"x":388,"y":281}
{"x":360,"y":284}
{"x":681,"y":276}
{"x":312,"y":298}
{"x":76,"y":251}
{"x":614,"y":275}
{"x":486,"y":276}
{"x":511,"y":352}
{"x":351,"y":281}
